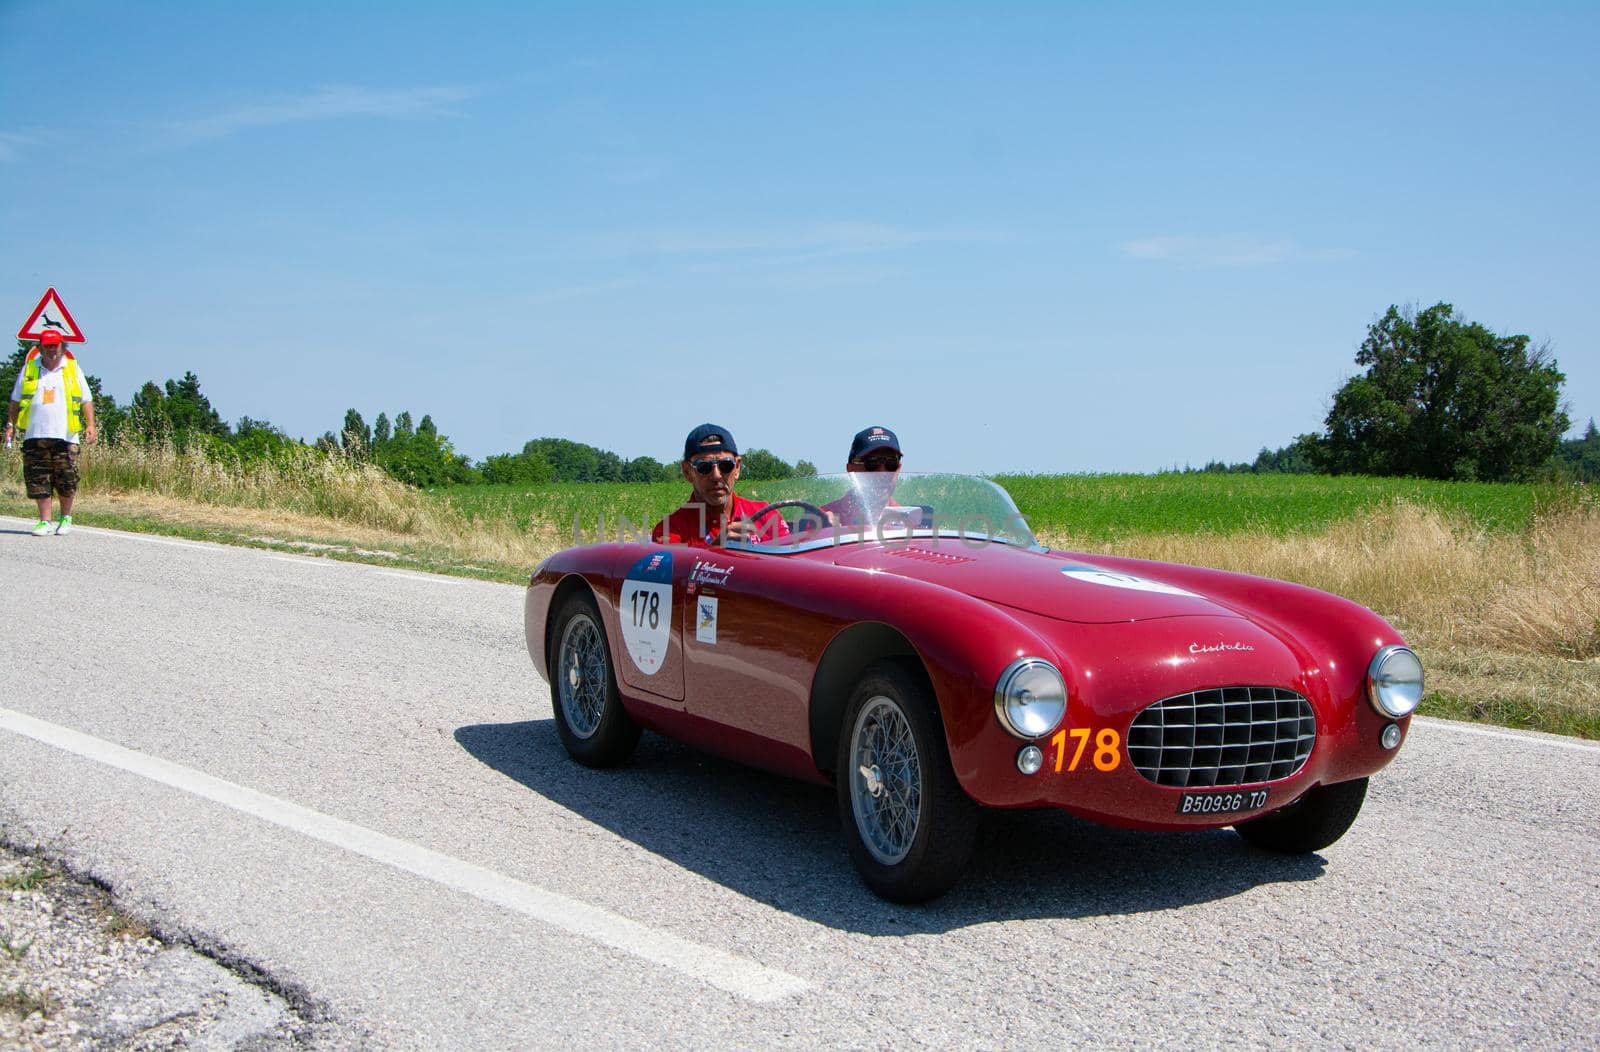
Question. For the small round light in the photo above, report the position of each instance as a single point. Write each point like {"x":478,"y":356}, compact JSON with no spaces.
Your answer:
{"x":1030,"y":759}
{"x":1031,"y":698}
{"x":1390,"y":738}
{"x":1394,"y":681}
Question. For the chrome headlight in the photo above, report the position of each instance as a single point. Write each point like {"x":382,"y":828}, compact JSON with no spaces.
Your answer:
{"x":1030,"y":698}
{"x":1394,"y":681}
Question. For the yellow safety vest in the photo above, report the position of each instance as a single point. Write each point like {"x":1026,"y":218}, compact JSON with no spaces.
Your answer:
{"x":71,"y":378}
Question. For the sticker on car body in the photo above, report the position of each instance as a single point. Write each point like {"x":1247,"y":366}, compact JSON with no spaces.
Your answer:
{"x":645,"y":611}
{"x":705,"y":621}
{"x":1112,"y":579}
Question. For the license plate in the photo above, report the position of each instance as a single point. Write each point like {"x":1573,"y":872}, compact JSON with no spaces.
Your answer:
{"x":1222,"y":803}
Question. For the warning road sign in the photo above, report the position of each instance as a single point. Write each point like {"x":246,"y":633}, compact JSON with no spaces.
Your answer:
{"x":50,"y":315}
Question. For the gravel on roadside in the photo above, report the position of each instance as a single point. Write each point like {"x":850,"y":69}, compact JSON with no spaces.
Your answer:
{"x":77,"y":973}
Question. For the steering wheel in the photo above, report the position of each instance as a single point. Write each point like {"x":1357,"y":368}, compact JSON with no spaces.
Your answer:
{"x":811,"y":510}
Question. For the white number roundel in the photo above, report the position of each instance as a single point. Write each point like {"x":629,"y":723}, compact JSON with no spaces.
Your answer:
{"x":645,"y":611}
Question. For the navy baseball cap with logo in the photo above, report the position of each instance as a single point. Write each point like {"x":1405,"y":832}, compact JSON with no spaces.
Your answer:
{"x":872,"y":439}
{"x":709,"y":438}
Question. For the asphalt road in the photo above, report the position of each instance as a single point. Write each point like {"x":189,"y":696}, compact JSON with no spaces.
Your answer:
{"x":348,"y":779}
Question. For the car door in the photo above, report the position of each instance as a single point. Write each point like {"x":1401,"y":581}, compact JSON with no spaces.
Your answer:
{"x":747,"y":651}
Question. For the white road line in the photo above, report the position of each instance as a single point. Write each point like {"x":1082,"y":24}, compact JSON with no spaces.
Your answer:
{"x":431,"y":578}
{"x":302,"y":560}
{"x":737,"y":975}
{"x":146,"y":538}
{"x":1526,"y":739}
{"x":153,"y":540}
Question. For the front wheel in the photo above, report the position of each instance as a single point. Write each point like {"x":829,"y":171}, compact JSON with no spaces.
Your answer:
{"x":590,"y":719}
{"x":1309,"y":824}
{"x":908,"y":824}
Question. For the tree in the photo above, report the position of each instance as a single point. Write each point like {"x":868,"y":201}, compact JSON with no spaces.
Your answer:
{"x":648,"y":469}
{"x":574,"y":461}
{"x":178,"y":410}
{"x":1446,"y":398}
{"x":1579,"y":458}
{"x":402,"y":425}
{"x":1300,"y":457}
{"x":189,"y":411}
{"x":761,"y":465}
{"x":355,"y":432}
{"x":380,"y":431}
{"x":515,"y":468}
{"x":425,"y":460}
{"x":258,"y":440}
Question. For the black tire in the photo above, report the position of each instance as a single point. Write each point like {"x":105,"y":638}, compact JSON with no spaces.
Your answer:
{"x":909,"y":825}
{"x":1309,"y":824}
{"x":596,"y":730}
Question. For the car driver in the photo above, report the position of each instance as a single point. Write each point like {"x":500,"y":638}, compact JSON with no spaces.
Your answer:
{"x":714,"y":513}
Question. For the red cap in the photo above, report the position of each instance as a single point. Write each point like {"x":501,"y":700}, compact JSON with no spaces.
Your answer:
{"x":49,"y":338}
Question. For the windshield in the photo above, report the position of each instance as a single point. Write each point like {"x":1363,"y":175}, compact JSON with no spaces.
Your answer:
{"x":868,"y":506}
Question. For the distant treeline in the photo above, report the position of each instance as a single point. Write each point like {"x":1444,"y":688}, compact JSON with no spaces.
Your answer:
{"x":413,"y":452}
{"x":562,"y":460}
{"x":1440,"y":398}
{"x":1574,"y":460}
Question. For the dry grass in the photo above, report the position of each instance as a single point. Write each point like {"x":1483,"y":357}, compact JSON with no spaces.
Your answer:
{"x":1508,"y":624}
{"x":328,"y":500}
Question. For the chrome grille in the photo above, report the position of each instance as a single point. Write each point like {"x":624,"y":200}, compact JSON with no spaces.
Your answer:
{"x":1226,"y":736}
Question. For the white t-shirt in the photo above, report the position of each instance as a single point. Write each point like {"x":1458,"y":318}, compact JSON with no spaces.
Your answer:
{"x":48,"y":417}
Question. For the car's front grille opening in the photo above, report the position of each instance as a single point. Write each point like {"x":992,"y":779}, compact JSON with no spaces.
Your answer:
{"x":1226,"y":736}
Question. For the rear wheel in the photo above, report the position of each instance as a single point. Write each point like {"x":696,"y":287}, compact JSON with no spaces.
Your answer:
{"x":1311,"y":823}
{"x":590,"y":719}
{"x":908,"y":824}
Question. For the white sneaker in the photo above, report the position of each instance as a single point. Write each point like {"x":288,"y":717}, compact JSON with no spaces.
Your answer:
{"x":64,"y":526}
{"x":44,"y":529}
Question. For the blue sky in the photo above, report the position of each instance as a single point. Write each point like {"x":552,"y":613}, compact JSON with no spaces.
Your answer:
{"x":1046,"y":237}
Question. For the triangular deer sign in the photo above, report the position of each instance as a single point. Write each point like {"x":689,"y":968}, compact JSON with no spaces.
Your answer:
{"x":51,"y":315}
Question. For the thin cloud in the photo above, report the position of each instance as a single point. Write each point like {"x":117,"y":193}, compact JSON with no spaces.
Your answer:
{"x":14,"y":144}
{"x":1232,"y":250}
{"x":329,"y":103}
{"x":781,"y":247}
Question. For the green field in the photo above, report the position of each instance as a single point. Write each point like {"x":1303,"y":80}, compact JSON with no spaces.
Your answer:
{"x":1089,"y":507}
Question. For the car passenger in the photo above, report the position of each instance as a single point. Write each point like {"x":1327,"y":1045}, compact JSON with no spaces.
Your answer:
{"x":874,"y":451}
{"x":714,"y":513}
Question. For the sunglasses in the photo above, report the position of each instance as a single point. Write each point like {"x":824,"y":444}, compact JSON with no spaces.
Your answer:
{"x":706,"y":467}
{"x":885,"y":463}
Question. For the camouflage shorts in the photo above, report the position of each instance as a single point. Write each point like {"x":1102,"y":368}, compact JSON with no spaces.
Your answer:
{"x":49,"y":464}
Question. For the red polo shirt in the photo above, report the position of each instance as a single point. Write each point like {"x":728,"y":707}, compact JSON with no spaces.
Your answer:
{"x":695,"y":525}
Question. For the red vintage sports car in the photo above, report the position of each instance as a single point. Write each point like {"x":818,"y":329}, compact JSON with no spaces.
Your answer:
{"x":913,"y":644}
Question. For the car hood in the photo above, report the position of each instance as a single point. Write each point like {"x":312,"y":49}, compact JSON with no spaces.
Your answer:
{"x":1057,"y":585}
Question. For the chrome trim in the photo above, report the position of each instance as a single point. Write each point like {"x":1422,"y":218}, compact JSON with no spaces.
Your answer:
{"x":1225,"y":736}
{"x":1003,"y":685}
{"x":1372,"y":681}
{"x":842,"y":536}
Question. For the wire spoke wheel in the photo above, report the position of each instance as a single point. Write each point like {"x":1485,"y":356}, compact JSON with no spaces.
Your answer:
{"x":581,"y":675}
{"x":885,"y":780}
{"x":590,"y":717}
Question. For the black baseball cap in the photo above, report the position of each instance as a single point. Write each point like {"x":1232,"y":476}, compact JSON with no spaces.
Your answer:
{"x":872,"y":439}
{"x":709,"y":438}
